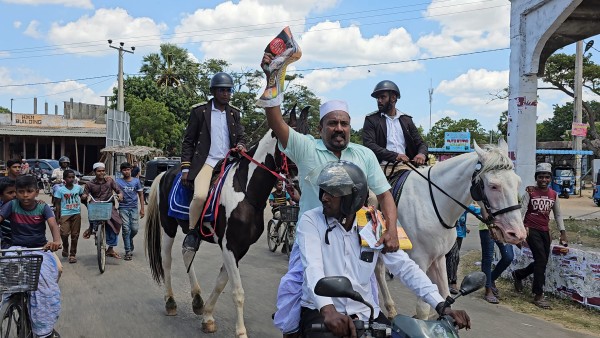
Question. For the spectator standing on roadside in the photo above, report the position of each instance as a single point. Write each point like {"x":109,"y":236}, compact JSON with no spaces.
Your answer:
{"x":67,"y":203}
{"x":133,"y":191}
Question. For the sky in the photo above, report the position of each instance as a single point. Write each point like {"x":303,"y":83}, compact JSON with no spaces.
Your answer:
{"x":57,"y":49}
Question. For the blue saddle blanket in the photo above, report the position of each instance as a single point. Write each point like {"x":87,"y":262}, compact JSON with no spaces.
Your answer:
{"x":180,"y":198}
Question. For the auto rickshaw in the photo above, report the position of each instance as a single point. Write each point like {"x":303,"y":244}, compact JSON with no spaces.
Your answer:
{"x":563,"y":181}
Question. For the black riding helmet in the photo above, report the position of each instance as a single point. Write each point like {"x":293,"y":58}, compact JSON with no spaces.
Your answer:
{"x":386,"y":85}
{"x":64,"y":159}
{"x":346,"y":180}
{"x":221,"y":80}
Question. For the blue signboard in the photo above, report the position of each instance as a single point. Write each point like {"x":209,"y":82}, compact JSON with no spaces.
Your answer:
{"x":457,"y":141}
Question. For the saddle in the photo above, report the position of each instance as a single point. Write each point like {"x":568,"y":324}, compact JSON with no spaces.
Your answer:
{"x":397,"y":181}
{"x":181,"y":196}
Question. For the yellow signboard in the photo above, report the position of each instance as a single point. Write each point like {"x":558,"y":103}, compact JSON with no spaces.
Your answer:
{"x":28,"y":119}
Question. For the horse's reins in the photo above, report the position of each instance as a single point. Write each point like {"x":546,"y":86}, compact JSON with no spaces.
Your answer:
{"x":284,"y":168}
{"x":489,"y":221}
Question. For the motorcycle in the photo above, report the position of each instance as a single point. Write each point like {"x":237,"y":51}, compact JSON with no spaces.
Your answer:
{"x":45,"y":182}
{"x":402,"y":326}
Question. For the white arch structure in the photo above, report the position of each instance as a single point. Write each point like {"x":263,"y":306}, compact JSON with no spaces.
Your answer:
{"x":537,"y":29}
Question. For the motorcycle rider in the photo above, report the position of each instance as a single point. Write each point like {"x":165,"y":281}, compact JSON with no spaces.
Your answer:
{"x":56,"y":177}
{"x":328,"y":247}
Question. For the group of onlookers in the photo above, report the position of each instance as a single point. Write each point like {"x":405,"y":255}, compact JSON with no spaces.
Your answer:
{"x":23,"y":219}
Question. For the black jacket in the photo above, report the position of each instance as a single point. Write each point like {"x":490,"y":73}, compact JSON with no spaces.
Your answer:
{"x":196,"y":140}
{"x":374,"y":135}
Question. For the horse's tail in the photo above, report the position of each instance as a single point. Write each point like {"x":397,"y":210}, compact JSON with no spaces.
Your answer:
{"x":154,"y":232}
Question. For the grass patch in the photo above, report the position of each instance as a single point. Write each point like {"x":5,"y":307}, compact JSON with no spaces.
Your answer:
{"x":567,"y":313}
{"x":585,"y":232}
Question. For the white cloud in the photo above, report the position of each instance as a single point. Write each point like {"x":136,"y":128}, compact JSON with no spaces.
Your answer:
{"x":67,"y":3}
{"x":32,"y":30}
{"x":324,"y":80}
{"x":324,"y":41}
{"x":17,"y":24}
{"x":475,"y":26}
{"x":242,"y":46}
{"x":113,"y":23}
{"x":80,"y":92}
{"x":473,"y":89}
{"x":25,"y":76}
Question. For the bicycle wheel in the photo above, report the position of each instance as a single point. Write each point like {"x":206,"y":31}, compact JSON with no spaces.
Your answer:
{"x":290,"y":237}
{"x":272,"y":235}
{"x":101,"y":246}
{"x":14,"y":319}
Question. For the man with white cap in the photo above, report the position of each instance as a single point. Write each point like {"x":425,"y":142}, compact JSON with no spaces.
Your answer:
{"x":311,"y":156}
{"x":101,"y":188}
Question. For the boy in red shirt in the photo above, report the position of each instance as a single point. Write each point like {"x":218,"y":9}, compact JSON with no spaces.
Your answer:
{"x":536,"y":205}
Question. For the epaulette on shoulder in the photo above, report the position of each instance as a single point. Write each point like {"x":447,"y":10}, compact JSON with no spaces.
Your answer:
{"x":372,"y":113}
{"x":404,"y":114}
{"x":236,"y":108}
{"x":198,"y":105}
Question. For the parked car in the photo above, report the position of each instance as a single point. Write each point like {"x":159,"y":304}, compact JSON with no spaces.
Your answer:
{"x":47,"y":166}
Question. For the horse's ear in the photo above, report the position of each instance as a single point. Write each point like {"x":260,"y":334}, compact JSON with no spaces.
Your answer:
{"x":304,"y":113}
{"x":293,"y":121}
{"x":503,"y":146}
{"x":482,"y":154}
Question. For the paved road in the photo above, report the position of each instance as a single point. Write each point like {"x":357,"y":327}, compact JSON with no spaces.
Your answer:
{"x":125,"y":302}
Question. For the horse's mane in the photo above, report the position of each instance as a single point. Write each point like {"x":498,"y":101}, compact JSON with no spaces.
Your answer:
{"x":495,"y":160}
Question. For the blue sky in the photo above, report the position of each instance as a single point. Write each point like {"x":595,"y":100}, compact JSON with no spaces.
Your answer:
{"x":57,"y":40}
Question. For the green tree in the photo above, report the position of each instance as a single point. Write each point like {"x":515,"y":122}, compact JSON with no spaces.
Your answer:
{"x":4,"y":110}
{"x":172,"y":68}
{"x":559,"y":71}
{"x":435,"y":137}
{"x":153,"y":125}
{"x":503,"y":124}
{"x":302,"y":96}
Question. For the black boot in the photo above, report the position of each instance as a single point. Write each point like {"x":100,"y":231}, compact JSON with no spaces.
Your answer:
{"x":191,"y":242}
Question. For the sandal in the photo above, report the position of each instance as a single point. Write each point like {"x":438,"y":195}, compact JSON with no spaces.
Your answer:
{"x":454,"y":290}
{"x":112,"y":253}
{"x":72,"y":259}
{"x":87,"y":233}
{"x":495,"y":291}
{"x":543,"y":304}
{"x":128,"y":256}
{"x":517,"y":283}
{"x":491,"y":299}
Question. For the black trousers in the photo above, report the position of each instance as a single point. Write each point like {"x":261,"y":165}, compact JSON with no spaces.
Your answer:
{"x":308,"y":317}
{"x":539,"y":244}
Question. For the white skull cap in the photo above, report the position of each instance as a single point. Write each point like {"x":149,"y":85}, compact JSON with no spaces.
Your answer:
{"x":543,"y":168}
{"x":332,"y":105}
{"x":98,"y":165}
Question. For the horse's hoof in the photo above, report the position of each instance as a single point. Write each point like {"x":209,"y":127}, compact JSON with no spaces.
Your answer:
{"x":209,"y":327}
{"x":171,"y":307}
{"x":197,"y":304}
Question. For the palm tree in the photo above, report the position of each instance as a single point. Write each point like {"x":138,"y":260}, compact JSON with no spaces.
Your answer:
{"x":172,"y":68}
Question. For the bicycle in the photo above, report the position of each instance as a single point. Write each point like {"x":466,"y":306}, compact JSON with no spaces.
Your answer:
{"x":283,"y":230}
{"x":98,"y":213}
{"x":19,"y":275}
{"x":46,"y":184}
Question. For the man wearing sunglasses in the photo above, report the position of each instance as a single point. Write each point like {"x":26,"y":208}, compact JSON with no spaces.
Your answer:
{"x":213,"y":128}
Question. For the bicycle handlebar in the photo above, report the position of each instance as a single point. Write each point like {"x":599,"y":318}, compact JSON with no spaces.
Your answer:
{"x":107,"y":201}
{"x":20,"y":250}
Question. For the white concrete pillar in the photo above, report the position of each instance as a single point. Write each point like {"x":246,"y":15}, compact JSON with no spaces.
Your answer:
{"x":532,"y":23}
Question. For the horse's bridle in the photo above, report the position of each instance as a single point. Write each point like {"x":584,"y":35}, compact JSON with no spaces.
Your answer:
{"x":475,"y":186}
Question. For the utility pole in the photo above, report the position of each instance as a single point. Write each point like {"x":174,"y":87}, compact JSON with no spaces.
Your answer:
{"x":120,"y":99}
{"x":430,"y":101}
{"x":577,"y":111}
{"x":11,"y":112}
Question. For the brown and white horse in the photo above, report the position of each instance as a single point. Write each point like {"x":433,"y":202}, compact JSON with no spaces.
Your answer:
{"x":239,"y":224}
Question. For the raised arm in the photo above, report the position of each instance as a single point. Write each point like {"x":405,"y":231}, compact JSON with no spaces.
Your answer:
{"x":276,"y":122}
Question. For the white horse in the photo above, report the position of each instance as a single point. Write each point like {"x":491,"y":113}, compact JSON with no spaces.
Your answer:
{"x":495,"y":180}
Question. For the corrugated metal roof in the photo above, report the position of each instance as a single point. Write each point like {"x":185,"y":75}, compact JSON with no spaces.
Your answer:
{"x":68,"y":131}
